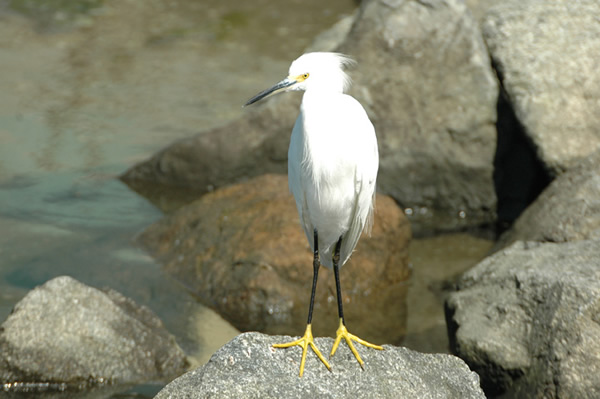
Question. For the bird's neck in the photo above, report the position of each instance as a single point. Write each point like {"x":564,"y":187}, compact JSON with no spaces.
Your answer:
{"x":319,"y":95}
{"x":320,"y":85}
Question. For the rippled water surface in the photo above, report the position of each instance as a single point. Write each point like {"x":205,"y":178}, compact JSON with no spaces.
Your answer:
{"x":89,"y":88}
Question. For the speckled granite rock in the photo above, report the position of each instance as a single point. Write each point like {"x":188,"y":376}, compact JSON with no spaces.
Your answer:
{"x":74,"y":336}
{"x":527,"y":320}
{"x":248,"y":367}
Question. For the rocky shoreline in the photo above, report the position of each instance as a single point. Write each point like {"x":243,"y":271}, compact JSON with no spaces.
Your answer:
{"x":488,"y":116}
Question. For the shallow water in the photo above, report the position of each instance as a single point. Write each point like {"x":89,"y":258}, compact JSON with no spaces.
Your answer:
{"x":88,"y":91}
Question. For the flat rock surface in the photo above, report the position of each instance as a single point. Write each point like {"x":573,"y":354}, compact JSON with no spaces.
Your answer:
{"x":248,"y":367}
{"x":526,"y":320}
{"x":65,"y":332}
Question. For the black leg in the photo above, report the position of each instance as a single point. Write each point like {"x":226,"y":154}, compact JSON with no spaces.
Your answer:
{"x":336,"y":272}
{"x":342,"y":331}
{"x":316,"y":265}
{"x":308,"y":340}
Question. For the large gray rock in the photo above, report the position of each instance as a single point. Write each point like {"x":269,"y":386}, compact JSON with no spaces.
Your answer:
{"x":547,"y":56}
{"x":527,"y":320}
{"x":248,"y":367}
{"x":569,"y":208}
{"x":76,"y":336}
{"x":425,"y":79}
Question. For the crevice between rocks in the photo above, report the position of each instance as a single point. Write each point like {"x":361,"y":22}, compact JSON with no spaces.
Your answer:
{"x":519,"y":175}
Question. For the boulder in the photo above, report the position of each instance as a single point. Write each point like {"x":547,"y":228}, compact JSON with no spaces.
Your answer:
{"x":546,"y":55}
{"x":526,"y":320}
{"x":247,"y":147}
{"x":424,"y":77}
{"x":248,"y":367}
{"x":66,"y":335}
{"x":242,"y":251}
{"x":568,"y":210}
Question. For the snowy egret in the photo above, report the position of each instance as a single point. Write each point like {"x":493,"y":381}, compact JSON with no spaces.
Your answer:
{"x":332,"y":168}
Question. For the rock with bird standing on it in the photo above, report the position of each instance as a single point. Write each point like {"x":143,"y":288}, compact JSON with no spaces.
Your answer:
{"x":248,"y":367}
{"x":332,"y":172}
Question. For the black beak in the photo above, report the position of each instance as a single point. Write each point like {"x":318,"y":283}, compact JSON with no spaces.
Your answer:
{"x":287,"y":82}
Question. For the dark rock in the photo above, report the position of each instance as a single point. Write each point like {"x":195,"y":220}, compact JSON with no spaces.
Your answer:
{"x":519,"y":175}
{"x":248,"y":367}
{"x":526,"y":320}
{"x":242,"y":251}
{"x":546,"y":54}
{"x":569,"y":209}
{"x":70,"y":335}
{"x":424,"y":77}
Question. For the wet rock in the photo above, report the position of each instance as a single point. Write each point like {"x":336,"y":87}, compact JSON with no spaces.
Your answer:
{"x":546,"y":55}
{"x":526,"y":320}
{"x":425,"y":79}
{"x":569,"y":208}
{"x":242,"y":251}
{"x":249,"y":367}
{"x":69,"y":335}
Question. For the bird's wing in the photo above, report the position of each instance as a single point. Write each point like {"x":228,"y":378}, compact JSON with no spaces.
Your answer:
{"x":295,"y":181}
{"x":364,"y":183}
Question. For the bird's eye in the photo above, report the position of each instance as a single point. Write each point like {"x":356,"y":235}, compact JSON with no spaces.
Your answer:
{"x":305,"y":76}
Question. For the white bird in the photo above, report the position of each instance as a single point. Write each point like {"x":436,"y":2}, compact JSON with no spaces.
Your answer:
{"x":332,"y":168}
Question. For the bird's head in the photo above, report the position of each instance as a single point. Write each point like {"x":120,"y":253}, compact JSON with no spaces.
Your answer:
{"x":313,"y":71}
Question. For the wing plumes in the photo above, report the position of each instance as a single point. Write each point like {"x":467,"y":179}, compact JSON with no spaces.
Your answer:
{"x":345,"y":62}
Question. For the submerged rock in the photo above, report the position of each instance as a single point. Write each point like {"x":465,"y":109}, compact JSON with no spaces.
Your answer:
{"x":248,"y":367}
{"x":424,"y":77}
{"x":242,"y":250}
{"x":66,"y":335}
{"x":526,"y":320}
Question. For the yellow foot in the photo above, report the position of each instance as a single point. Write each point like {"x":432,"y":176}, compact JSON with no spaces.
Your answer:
{"x":304,"y":342}
{"x":342,"y":332}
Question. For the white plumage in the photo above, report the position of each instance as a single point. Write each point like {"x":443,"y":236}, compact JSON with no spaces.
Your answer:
{"x":332,"y":168}
{"x":333,"y":158}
